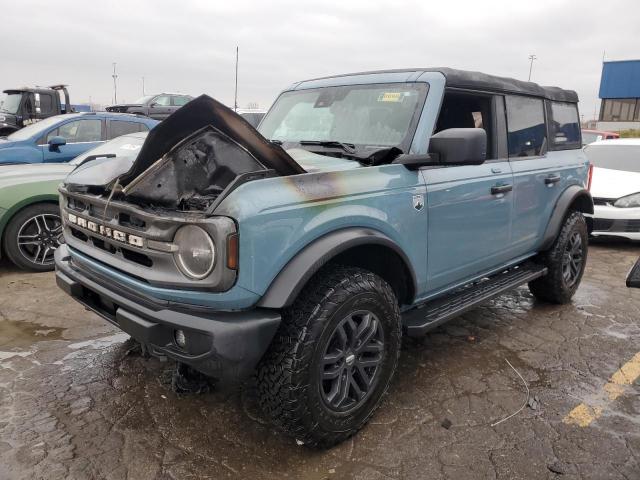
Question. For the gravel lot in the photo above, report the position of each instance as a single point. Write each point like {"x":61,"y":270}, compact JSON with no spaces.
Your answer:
{"x":75,"y":402}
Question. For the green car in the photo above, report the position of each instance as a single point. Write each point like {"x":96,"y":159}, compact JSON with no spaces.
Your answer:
{"x":30,"y":224}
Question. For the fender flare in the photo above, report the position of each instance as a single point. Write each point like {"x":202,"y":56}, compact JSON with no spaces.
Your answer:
{"x":573,"y":195}
{"x":286,"y":286}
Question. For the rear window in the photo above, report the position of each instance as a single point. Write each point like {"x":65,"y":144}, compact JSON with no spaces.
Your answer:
{"x":525,"y":123}
{"x":614,"y":156}
{"x":564,"y":126}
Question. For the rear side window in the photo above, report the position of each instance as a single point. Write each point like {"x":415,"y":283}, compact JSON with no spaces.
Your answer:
{"x":46,"y":104}
{"x":564,"y":126}
{"x":525,"y":126}
{"x":180,"y":101}
{"x":119,"y":127}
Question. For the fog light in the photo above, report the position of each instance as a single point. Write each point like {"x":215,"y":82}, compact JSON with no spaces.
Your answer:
{"x":181,"y":339}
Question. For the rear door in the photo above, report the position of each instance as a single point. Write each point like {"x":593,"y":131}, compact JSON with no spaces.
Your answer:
{"x":469,"y":207}
{"x":541,"y":160}
{"x":80,"y":135}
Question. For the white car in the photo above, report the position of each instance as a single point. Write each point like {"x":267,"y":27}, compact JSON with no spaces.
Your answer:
{"x":615,"y":187}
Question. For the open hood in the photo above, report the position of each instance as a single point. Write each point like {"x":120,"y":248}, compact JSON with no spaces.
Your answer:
{"x":203,"y":112}
{"x":189,"y":159}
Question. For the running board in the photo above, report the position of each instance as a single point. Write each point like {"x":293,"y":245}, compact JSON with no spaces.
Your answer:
{"x":420,"y":320}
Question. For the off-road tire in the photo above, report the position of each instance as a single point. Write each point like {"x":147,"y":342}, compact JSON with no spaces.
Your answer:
{"x":10,"y":238}
{"x":288,"y":377}
{"x":553,"y":287}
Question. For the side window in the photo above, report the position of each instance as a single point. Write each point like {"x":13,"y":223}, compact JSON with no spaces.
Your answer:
{"x":466,"y":110}
{"x":179,"y":101}
{"x":119,"y":127}
{"x":79,"y":131}
{"x":46,"y":104}
{"x":163,"y":101}
{"x":526,"y":132}
{"x":564,"y":125}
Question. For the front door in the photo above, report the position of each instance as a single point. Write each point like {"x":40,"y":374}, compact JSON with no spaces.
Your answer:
{"x":469,"y":217}
{"x":161,"y":107}
{"x":469,"y":207}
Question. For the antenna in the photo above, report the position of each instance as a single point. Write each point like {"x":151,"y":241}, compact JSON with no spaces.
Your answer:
{"x":235,"y":97}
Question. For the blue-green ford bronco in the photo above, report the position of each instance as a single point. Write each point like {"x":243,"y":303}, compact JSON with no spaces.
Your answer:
{"x":364,"y":207}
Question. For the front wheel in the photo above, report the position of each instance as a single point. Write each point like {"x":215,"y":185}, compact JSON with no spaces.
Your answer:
{"x":565,"y":261}
{"x":333,"y":357}
{"x":32,"y":236}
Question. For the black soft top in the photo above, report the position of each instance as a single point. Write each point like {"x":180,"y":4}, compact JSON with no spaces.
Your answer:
{"x":484,"y":82}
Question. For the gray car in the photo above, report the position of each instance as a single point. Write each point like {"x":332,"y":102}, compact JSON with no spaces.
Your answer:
{"x":158,"y":106}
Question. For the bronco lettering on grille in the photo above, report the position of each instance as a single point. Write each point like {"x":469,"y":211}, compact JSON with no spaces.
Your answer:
{"x":108,"y":232}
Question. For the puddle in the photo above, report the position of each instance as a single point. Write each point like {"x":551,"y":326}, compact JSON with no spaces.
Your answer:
{"x":99,"y":343}
{"x":16,"y":334}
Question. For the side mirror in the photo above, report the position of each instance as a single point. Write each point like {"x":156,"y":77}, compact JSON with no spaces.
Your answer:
{"x":459,"y":146}
{"x":56,"y":142}
{"x":153,"y":104}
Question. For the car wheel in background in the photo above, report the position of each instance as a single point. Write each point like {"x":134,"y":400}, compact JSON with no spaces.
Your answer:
{"x":32,"y":236}
{"x":333,"y":357}
{"x":565,"y":260}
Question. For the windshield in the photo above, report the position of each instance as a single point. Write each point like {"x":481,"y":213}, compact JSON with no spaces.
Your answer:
{"x":362,"y":115}
{"x":10,"y":102}
{"x":614,"y":156}
{"x":143,"y":100}
{"x":124,"y":146}
{"x":35,"y":129}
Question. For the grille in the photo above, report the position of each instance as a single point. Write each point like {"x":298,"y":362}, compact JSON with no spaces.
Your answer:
{"x":602,"y":224}
{"x":631,"y":226}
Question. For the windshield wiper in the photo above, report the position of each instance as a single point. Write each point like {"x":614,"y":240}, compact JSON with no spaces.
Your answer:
{"x":347,"y":147}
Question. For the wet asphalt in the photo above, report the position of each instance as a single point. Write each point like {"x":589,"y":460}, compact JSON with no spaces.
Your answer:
{"x":78,"y":402}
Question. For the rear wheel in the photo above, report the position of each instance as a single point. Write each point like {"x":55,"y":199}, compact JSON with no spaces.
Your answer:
{"x":32,"y":236}
{"x":565,"y":260}
{"x":333,"y":357}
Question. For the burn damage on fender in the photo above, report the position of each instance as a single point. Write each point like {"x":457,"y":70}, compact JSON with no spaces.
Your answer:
{"x":189,"y":159}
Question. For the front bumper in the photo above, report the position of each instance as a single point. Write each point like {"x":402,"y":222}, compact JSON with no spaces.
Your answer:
{"x":614,"y":221}
{"x":223,"y":345}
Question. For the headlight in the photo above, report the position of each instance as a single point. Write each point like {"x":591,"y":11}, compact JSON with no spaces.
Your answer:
{"x":629,"y":201}
{"x":196,"y":254}
{"x":2,"y":118}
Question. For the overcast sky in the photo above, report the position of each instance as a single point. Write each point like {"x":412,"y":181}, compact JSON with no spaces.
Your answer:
{"x":189,"y":46}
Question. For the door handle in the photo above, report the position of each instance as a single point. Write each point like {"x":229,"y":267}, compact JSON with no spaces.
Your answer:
{"x":552,"y":179}
{"x":498,"y":189}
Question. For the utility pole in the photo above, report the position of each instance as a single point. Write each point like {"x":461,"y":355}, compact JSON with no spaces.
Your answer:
{"x":143,"y":86}
{"x":115,"y":86}
{"x":235,"y":96}
{"x":532,"y":57}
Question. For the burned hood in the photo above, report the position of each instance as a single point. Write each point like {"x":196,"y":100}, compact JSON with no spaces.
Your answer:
{"x":206,"y":113}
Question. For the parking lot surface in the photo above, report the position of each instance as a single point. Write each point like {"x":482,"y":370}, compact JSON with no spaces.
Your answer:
{"x":76,"y":401}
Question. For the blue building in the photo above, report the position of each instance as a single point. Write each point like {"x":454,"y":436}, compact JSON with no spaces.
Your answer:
{"x":620,"y":94}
